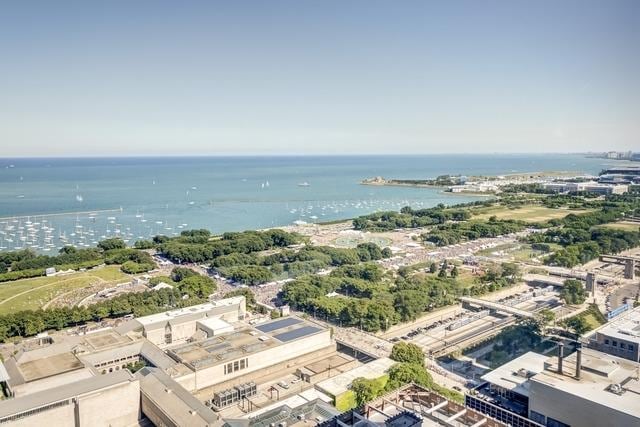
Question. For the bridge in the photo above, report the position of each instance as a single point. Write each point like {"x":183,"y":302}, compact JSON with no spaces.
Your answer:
{"x":629,"y":263}
{"x":544,"y":280}
{"x":496,"y":306}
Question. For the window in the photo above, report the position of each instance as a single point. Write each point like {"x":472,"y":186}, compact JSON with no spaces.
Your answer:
{"x":621,"y":345}
{"x":606,"y":342}
{"x":630,"y":347}
{"x":238,"y":365}
{"x":615,"y":343}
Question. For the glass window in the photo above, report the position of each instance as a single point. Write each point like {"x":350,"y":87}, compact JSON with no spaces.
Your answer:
{"x":630,"y":347}
{"x":606,"y":342}
{"x":621,"y":345}
{"x":242,"y":364}
{"x":236,"y":366}
{"x":615,"y":343}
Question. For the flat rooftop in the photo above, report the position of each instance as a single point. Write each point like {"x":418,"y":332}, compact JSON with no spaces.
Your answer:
{"x":341,"y":383}
{"x":625,"y":327}
{"x":243,"y":342}
{"x":599,"y":372}
{"x":49,"y":366}
{"x":188,"y":312}
{"x":174,"y":400}
{"x":30,"y":402}
{"x":514,"y":376}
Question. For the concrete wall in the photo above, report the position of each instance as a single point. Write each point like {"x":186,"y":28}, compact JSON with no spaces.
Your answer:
{"x":114,"y":406}
{"x":57,"y":417}
{"x":263,"y":361}
{"x":574,"y":410}
{"x":118,"y":405}
{"x":600,"y":344}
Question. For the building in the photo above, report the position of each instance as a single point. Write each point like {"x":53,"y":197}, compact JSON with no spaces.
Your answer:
{"x":308,"y":407}
{"x":236,"y":357}
{"x":620,"y":337}
{"x":588,"y":187}
{"x":73,"y":376}
{"x":412,"y":406}
{"x":588,"y":388}
{"x":166,"y":403}
{"x":177,"y":326}
{"x":106,"y":400}
{"x":339,"y":386}
{"x":505,"y":393}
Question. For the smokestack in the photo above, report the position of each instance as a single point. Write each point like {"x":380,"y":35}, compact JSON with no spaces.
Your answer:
{"x":578,"y":361}
{"x":560,"y":356}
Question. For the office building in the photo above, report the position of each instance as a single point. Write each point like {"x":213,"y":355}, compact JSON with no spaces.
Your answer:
{"x":620,"y":337}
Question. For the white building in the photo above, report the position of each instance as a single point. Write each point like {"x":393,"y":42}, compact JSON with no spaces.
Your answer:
{"x":177,"y":326}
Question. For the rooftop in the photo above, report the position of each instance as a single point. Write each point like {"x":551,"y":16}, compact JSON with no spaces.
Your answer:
{"x":186,"y":313}
{"x":340,"y":383}
{"x":174,"y":400}
{"x":242,"y":342}
{"x":514,"y":375}
{"x":601,"y":373}
{"x":625,"y":327}
{"x":33,"y":401}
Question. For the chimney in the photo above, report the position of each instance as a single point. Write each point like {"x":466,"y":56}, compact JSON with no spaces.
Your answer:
{"x":578,"y":361}
{"x":560,"y":355}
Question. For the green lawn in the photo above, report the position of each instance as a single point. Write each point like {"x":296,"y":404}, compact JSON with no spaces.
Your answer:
{"x":31,"y":294}
{"x":531,"y":213}
{"x":623,"y":225}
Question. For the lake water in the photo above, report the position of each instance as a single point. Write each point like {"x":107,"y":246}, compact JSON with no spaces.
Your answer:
{"x":48,"y":202}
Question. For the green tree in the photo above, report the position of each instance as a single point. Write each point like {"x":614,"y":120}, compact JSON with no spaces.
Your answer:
{"x":366,"y":389}
{"x":408,"y":353}
{"x":113,"y":243}
{"x":573,"y":292}
{"x":454,"y":272}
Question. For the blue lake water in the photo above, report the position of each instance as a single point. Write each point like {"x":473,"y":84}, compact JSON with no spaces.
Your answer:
{"x":83,"y":199}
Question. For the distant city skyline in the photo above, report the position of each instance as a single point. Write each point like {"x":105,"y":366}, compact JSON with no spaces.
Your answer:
{"x":310,"y":78}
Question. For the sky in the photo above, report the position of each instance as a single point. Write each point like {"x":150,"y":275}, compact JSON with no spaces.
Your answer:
{"x":318,"y":77}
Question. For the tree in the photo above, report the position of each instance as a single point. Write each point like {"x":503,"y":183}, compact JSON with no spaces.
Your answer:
{"x":407,"y":352}
{"x":180,"y":273}
{"x":454,"y":272}
{"x":578,"y":325}
{"x":404,"y":373}
{"x":573,"y":292}
{"x":111,"y":244}
{"x":366,"y":390}
{"x":433,"y":268}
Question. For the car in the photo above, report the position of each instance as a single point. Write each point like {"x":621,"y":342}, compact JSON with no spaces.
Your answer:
{"x":456,"y":388}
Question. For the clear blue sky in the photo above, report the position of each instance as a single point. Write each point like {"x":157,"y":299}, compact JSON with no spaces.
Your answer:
{"x":252,"y":77}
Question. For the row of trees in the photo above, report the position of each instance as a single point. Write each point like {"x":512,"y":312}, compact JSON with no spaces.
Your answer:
{"x":27,"y":263}
{"x":452,"y":233}
{"x":413,"y":218}
{"x":253,"y":269}
{"x":189,"y":288}
{"x":371,"y":300}
{"x":198,"y":246}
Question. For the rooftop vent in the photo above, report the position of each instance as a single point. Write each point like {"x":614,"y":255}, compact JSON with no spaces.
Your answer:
{"x":616,"y":389}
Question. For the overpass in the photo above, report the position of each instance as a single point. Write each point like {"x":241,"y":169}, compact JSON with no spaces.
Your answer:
{"x":544,"y":280}
{"x":629,"y":263}
{"x":496,"y":306}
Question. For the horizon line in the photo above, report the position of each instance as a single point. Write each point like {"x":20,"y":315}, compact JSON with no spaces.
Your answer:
{"x":222,"y":155}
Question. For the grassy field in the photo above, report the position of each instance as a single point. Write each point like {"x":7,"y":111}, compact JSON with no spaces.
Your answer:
{"x":31,"y":294}
{"x":533,"y":213}
{"x":517,"y":251}
{"x":623,"y":225}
